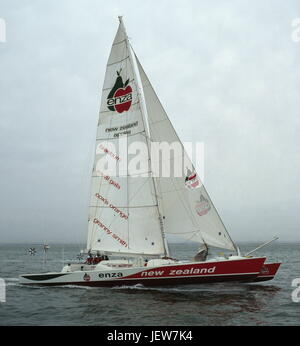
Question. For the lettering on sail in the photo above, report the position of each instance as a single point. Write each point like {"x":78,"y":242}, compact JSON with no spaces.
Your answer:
{"x":109,"y":232}
{"x":114,"y":208}
{"x":108,"y":178}
{"x":123,"y":130}
{"x":108,"y":152}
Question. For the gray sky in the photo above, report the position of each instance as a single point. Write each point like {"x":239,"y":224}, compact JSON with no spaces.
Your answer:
{"x":227,"y":73}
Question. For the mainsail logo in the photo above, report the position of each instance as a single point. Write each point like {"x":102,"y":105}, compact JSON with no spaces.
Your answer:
{"x":191,"y":180}
{"x":203,"y":206}
{"x":120,"y":97}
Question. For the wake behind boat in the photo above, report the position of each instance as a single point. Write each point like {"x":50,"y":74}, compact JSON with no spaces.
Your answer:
{"x":134,"y":204}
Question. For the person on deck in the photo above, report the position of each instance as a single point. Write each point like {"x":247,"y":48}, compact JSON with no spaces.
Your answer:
{"x":98,"y":259}
{"x":89,"y":260}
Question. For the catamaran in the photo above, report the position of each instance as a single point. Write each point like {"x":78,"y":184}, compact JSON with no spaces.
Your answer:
{"x":131,"y":212}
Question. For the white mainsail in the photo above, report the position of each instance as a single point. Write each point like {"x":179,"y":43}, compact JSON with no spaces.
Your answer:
{"x":186,"y":206}
{"x":129,"y":214}
{"x":124,"y":216}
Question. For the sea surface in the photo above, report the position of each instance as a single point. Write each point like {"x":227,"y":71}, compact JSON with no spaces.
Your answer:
{"x":266,"y":304}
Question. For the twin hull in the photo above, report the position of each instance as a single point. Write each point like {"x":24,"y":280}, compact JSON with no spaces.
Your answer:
{"x":188,"y":273}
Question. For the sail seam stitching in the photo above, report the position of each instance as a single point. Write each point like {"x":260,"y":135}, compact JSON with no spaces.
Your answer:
{"x":117,"y":43}
{"x":124,"y":206}
{"x":117,"y":62}
{"x":104,"y":89}
{"x":107,"y":138}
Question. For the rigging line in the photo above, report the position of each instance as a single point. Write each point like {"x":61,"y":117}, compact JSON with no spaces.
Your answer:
{"x":188,"y":232}
{"x":144,"y":134}
{"x":161,"y":225}
{"x":228,"y":235}
{"x":117,"y":43}
{"x":127,"y":52}
{"x":126,"y":43}
{"x":139,"y":189}
{"x":160,"y":197}
{"x":189,"y":239}
{"x":91,"y":234}
{"x":117,"y":62}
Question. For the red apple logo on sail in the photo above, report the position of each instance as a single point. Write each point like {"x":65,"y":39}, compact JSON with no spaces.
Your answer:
{"x":120,"y":97}
{"x":191,"y":180}
{"x":123,"y":99}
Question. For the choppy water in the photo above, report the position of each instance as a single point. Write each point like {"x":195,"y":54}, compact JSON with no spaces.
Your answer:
{"x":267,"y":303}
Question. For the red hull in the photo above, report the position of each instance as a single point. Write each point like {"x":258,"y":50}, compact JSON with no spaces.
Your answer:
{"x":267,"y":272}
{"x":162,"y":282}
{"x":239,"y":270}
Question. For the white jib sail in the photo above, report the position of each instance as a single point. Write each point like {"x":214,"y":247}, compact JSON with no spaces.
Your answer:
{"x":123,"y":214}
{"x":186,"y":207}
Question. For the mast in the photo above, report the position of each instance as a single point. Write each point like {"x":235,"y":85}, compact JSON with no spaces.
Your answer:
{"x":147,"y":132}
